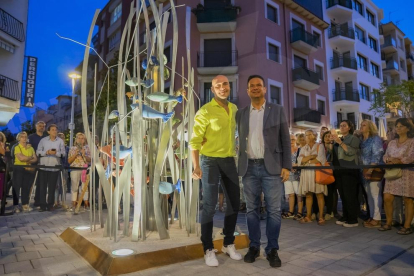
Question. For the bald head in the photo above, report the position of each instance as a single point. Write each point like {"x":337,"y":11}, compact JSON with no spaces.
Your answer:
{"x":220,"y":87}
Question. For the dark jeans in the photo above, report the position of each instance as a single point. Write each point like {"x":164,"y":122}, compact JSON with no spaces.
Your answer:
{"x":256,"y":181}
{"x":47,"y":185}
{"x":214,"y":169}
{"x":348,"y":187}
{"x":331,"y":200}
{"x":22,"y":180}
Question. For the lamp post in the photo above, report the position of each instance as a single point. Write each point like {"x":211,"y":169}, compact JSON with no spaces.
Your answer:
{"x":73,"y":76}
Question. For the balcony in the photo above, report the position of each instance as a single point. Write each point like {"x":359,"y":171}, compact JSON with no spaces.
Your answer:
{"x":9,"y":88}
{"x":391,"y":67}
{"x":338,"y":8}
{"x":410,"y":58}
{"x":341,"y":36}
{"x":305,"y":78}
{"x":306,"y":117}
{"x":344,"y":66}
{"x":345,"y":94}
{"x":389,"y":46}
{"x":11,"y":26}
{"x":217,"y":62}
{"x":95,"y":39}
{"x":217,"y":19}
{"x":304,"y":41}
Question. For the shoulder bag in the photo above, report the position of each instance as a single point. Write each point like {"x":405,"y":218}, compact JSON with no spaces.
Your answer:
{"x":324,"y":176}
{"x":376,"y":175}
{"x":393,"y":174}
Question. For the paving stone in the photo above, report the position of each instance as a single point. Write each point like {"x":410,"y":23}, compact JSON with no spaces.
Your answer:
{"x":29,"y":237}
{"x":35,"y":247}
{"x":10,"y":239}
{"x":22,"y":243}
{"x":296,"y":270}
{"x":50,"y":253}
{"x":6,"y":245}
{"x":18,"y":233}
{"x":59,"y":269}
{"x":27,"y":256}
{"x":43,"y":262}
{"x":35,"y":232}
{"x":11,"y":251}
{"x":36,"y":272}
{"x":1,"y":269}
{"x":276,"y":271}
{"x":8,"y":259}
{"x":42,"y":240}
{"x":19,"y":266}
{"x":46,"y":235}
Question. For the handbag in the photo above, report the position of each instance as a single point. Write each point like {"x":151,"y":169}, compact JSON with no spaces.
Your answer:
{"x":393,"y":174}
{"x":324,"y":176}
{"x":376,"y":175}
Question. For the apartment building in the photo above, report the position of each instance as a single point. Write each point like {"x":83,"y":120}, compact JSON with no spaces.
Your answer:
{"x":13,"y":27}
{"x":409,"y":50}
{"x":352,"y":47}
{"x":281,"y":40}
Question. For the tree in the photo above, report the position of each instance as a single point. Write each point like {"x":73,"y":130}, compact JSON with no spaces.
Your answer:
{"x":394,"y":97}
{"x":27,"y":127}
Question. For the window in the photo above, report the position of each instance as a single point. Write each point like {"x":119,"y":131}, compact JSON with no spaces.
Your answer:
{"x":271,"y":13}
{"x":116,"y":14}
{"x":364,"y":91}
{"x":362,"y":63}
{"x":302,"y":101}
{"x":167,"y":53}
{"x":321,"y":107}
{"x":299,"y":62}
{"x":317,"y":37}
{"x":357,"y":6}
{"x":360,"y":34}
{"x":275,"y":94}
{"x":273,"y":52}
{"x":114,"y":39}
{"x":402,"y":64}
{"x":366,"y":117}
{"x":372,"y":44}
{"x":371,"y":17}
{"x":375,"y":70}
{"x":319,"y":71}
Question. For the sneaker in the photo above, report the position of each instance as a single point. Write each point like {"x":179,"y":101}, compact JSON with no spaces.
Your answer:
{"x":273,"y":258}
{"x":26,"y":208}
{"x":210,"y":257}
{"x":328,"y":217}
{"x":251,"y":255}
{"x":340,"y":222}
{"x":16,"y":209}
{"x":231,"y":251}
{"x":349,"y":225}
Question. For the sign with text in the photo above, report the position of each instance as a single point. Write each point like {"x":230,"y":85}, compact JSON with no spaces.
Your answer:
{"x":30,"y":81}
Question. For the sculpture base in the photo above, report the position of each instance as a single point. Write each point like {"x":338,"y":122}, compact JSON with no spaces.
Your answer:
{"x":152,"y":252}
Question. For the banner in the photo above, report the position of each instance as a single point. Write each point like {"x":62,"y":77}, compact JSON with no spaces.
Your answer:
{"x":30,"y":81}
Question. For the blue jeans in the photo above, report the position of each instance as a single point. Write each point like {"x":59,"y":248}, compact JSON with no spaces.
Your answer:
{"x":256,"y":181}
{"x":217,"y":170}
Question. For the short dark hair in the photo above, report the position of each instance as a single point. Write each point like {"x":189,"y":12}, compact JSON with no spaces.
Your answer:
{"x":407,"y":123}
{"x":255,"y":76}
{"x":350,"y":125}
{"x":50,"y":126}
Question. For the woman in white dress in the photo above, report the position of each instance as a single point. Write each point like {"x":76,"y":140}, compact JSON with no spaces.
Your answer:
{"x":312,"y":154}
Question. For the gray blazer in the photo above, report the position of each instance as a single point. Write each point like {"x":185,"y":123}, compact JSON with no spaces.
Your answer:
{"x":276,"y":139}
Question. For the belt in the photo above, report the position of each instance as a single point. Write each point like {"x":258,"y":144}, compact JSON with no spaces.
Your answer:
{"x":257,"y":161}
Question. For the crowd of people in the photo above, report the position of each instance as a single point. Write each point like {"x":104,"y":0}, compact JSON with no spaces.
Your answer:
{"x":356,"y":187}
{"x":50,"y":182}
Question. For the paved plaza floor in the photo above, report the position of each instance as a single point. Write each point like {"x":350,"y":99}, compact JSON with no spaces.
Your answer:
{"x":30,"y":245}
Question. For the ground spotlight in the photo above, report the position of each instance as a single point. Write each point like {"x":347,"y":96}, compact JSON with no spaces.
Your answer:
{"x":123,"y":252}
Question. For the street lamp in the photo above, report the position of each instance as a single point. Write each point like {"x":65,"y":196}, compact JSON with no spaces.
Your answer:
{"x":73,"y":76}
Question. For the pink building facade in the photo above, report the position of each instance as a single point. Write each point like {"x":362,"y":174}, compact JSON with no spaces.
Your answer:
{"x":282,"y":41}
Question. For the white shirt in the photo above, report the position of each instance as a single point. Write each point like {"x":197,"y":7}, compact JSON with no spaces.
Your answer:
{"x":255,"y":141}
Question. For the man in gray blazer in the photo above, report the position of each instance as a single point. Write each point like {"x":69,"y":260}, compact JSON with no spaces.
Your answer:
{"x":264,"y":163}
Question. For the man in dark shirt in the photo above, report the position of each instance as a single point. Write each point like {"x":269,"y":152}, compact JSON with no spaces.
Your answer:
{"x":34,"y":140}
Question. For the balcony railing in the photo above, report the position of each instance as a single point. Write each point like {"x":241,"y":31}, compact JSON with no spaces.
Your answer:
{"x":342,"y":30}
{"x":347,"y":62}
{"x":343,"y":3}
{"x":306,"y":114}
{"x":301,"y":73}
{"x":392,"y":65}
{"x":11,"y":25}
{"x":389,"y":41}
{"x":410,"y":56}
{"x":216,"y":15}
{"x":9,"y":88}
{"x":302,"y":35}
{"x":345,"y":94}
{"x":217,"y":58}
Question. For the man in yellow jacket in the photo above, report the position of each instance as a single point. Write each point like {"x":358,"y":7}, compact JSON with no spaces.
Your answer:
{"x":214,"y":138}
